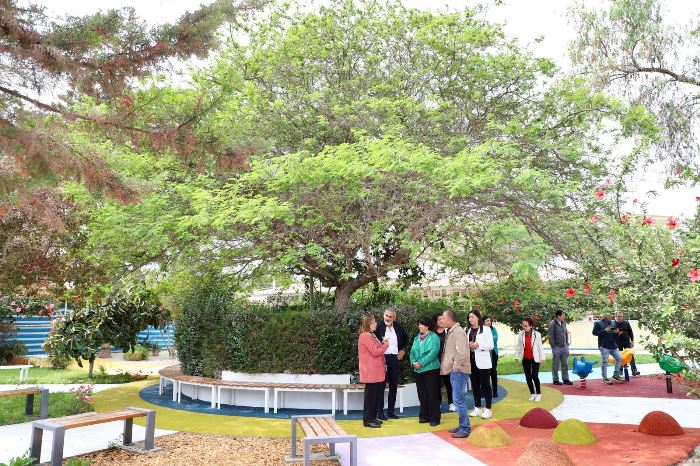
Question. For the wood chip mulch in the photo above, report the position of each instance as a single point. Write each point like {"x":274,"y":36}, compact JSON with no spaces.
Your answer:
{"x":201,"y":449}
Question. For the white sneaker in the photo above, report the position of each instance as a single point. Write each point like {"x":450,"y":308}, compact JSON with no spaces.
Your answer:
{"x":487,"y":414}
{"x":452,"y":407}
{"x":476,"y":412}
{"x":532,"y":397}
{"x":538,"y":397}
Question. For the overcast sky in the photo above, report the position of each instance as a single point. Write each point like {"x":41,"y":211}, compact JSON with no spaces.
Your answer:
{"x":541,"y":25}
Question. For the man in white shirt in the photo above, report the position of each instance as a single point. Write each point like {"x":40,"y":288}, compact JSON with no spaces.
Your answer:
{"x":398,"y":339}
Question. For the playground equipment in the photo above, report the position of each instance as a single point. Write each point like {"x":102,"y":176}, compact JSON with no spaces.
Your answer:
{"x":671,"y":366}
{"x":583,"y":369}
{"x":627,"y":355}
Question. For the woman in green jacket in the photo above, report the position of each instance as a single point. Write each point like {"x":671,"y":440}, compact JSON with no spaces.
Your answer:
{"x":424,"y":359}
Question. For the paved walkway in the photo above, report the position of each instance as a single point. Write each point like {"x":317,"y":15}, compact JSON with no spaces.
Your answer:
{"x":546,"y":376}
{"x":59,"y":387}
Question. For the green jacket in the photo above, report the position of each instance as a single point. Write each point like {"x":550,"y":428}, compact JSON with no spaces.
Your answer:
{"x":427,"y":353}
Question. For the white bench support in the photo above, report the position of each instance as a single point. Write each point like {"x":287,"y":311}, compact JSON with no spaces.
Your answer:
{"x":330,"y":440}
{"x":233,"y":390}
{"x":399,"y":392}
{"x":23,"y":370}
{"x":322,"y":390}
{"x":196,"y":393}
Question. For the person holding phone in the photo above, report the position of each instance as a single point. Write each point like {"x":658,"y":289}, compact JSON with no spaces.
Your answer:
{"x":607,"y":333}
{"x":370,"y":353}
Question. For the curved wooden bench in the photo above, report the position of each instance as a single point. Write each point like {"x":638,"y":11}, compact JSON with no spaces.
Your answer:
{"x":59,"y":426}
{"x":29,"y":405}
{"x":320,"y":429}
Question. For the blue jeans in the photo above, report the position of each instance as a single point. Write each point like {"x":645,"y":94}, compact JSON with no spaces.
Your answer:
{"x":459,"y":396}
{"x":615,"y":353}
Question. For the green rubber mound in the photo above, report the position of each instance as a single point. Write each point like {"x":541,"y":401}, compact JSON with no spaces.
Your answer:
{"x":544,"y":452}
{"x":573,"y":432}
{"x":489,"y":435}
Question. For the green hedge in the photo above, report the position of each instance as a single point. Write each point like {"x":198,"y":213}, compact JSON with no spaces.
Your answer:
{"x":216,"y":332}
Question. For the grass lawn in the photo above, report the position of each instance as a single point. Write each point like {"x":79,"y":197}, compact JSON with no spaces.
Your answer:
{"x":508,"y":365}
{"x":45,"y":375}
{"x":60,"y":404}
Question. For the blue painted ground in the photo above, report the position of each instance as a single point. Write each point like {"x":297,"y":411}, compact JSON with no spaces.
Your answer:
{"x":150,"y":395}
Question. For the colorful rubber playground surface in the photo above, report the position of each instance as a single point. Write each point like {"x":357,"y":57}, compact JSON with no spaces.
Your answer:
{"x":602,"y":426}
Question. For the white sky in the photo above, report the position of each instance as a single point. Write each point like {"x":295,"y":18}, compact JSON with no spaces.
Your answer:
{"x":526,"y":20}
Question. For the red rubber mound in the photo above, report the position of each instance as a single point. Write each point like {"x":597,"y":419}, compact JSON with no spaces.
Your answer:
{"x":538,"y":418}
{"x":544,"y":452}
{"x":660,"y":423}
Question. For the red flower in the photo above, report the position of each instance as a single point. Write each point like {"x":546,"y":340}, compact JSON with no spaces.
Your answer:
{"x":679,"y":170}
{"x":694,"y":275}
{"x":587,"y":288}
{"x":595,"y":218}
{"x":675,"y":263}
{"x":697,"y":198}
{"x":19,"y":309}
{"x":624,"y":218}
{"x":537,"y":318}
{"x":600,"y":194}
{"x":516,"y":303}
{"x":611,"y":295}
{"x":520,"y":311}
{"x":672,"y":223}
{"x":570,"y":293}
{"x":635,"y":200}
{"x":648,"y":221}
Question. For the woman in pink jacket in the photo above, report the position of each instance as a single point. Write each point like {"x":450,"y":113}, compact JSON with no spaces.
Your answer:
{"x":370,"y":353}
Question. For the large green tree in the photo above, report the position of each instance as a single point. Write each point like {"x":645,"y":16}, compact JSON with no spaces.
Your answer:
{"x":635,"y":48}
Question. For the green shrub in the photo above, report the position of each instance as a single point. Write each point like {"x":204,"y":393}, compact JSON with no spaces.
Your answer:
{"x":139,"y":354}
{"x":216,"y":332}
{"x":24,"y":460}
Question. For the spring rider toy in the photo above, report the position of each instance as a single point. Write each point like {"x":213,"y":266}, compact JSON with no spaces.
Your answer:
{"x":671,"y":366}
{"x":583,"y":369}
{"x":626,"y":354}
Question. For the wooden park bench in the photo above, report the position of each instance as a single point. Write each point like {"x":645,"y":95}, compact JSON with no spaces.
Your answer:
{"x":29,"y":406}
{"x":320,"y":429}
{"x":59,"y":426}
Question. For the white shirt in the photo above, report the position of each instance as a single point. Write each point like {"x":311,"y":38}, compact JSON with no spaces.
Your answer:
{"x":390,"y":333}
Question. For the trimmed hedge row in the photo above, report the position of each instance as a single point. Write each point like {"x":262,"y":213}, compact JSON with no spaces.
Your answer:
{"x":216,"y":333}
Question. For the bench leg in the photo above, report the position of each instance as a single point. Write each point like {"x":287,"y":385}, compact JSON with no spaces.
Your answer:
{"x":333,"y":402}
{"x":175,"y":385}
{"x":275,"y":399}
{"x":160,"y":386}
{"x":307,"y":453}
{"x":149,"y":442}
{"x":213,"y":397}
{"x":35,"y":444}
{"x":128,"y":430}
{"x":44,"y":410}
{"x":331,"y":447}
{"x":294,"y":437}
{"x":57,"y":449}
{"x":401,"y":401}
{"x":353,"y":452}
{"x":267,"y":401}
{"x":29,"y":405}
{"x":345,"y":402}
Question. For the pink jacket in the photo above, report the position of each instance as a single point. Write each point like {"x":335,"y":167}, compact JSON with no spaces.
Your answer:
{"x":371,"y":357}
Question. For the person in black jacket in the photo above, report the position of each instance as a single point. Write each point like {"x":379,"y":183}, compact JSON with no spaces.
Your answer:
{"x":625,"y":339}
{"x":398,"y":339}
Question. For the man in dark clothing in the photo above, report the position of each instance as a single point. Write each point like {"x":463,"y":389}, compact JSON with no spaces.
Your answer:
{"x":558,"y":337}
{"x":606,"y":332}
{"x":398,"y":339}
{"x":625,"y":339}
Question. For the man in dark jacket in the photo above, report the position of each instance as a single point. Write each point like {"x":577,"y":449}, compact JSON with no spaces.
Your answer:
{"x":625,"y":339}
{"x":607,"y":333}
{"x":398,"y":339}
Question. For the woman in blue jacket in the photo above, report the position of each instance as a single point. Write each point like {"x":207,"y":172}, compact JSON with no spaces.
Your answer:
{"x":424,"y":359}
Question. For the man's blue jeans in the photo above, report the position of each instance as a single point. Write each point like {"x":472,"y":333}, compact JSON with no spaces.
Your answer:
{"x":459,"y":396}
{"x":615,"y":353}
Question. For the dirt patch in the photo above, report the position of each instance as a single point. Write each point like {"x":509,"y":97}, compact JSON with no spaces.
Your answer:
{"x":202,"y":449}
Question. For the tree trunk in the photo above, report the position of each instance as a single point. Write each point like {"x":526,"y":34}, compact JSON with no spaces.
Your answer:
{"x":345,"y":290}
{"x":91,"y":366}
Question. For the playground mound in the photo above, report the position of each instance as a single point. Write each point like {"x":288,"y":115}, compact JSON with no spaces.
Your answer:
{"x":538,"y":418}
{"x":574,"y":432}
{"x":660,"y":423}
{"x":489,"y":435}
{"x":544,"y":452}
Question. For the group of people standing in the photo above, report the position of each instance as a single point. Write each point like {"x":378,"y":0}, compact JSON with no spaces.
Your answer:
{"x":442,"y":353}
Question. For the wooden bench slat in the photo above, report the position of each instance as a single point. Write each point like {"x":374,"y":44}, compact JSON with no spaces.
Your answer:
{"x":20,"y":391}
{"x":81,"y":420}
{"x":306,"y":427}
{"x":328,"y":426}
{"x":316,"y":426}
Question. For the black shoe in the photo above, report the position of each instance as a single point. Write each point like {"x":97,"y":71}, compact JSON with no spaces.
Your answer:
{"x":556,"y":382}
{"x":378,"y":421}
{"x":568,"y":382}
{"x":373,"y":425}
{"x":433,"y":424}
{"x":422,"y":421}
{"x":460,"y":434}
{"x":453,"y":430}
{"x":393,"y":416}
{"x":636,"y":374}
{"x":382,"y":417}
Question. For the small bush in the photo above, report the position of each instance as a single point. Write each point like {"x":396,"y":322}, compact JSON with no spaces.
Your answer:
{"x":140,"y":353}
{"x":24,"y":460}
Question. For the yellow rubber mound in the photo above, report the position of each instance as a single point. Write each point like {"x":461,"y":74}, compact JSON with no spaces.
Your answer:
{"x":489,"y":435}
{"x":573,"y":432}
